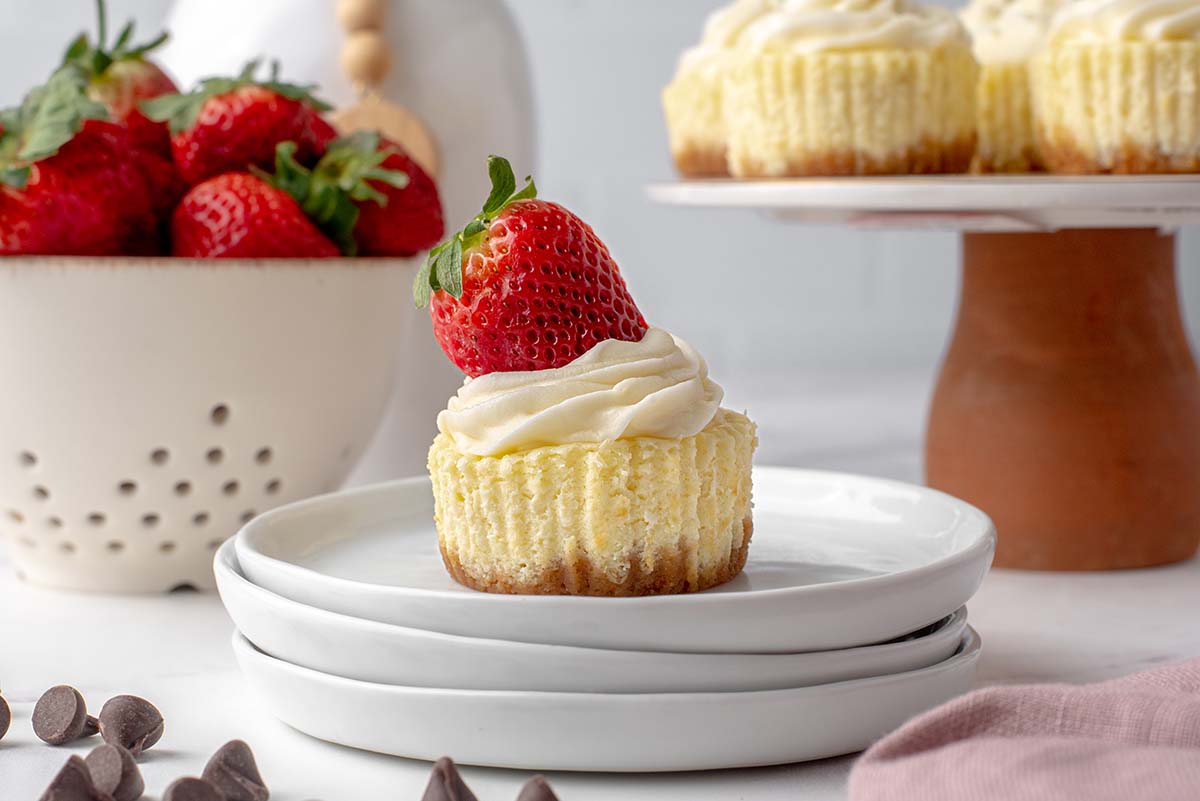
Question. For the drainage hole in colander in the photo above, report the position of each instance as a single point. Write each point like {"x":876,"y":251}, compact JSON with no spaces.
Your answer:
{"x":16,"y":516}
{"x":345,"y":454}
{"x":230,"y":487}
{"x":200,"y":519}
{"x":215,"y":544}
{"x":54,"y":522}
{"x":114,"y":546}
{"x":41,"y":493}
{"x":273,"y":486}
{"x":67,"y":547}
{"x":96,"y":519}
{"x":215,"y":456}
{"x":248,"y":515}
{"x":264,"y":456}
{"x":28,"y":542}
{"x":183,"y":489}
{"x":127,"y":487}
{"x":27,"y":458}
{"x":219,"y":414}
{"x":166,"y":547}
{"x":160,"y":456}
{"x":150,"y":520}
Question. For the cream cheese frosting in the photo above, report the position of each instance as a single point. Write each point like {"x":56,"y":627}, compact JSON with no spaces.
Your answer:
{"x":1008,"y":31}
{"x":658,"y":387}
{"x":811,"y":26}
{"x":721,"y":32}
{"x":1084,"y":21}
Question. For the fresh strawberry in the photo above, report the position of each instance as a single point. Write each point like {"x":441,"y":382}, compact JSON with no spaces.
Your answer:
{"x":395,"y":218}
{"x":67,"y":186}
{"x":119,"y":77}
{"x":526,"y":285}
{"x":232,"y":124}
{"x":238,"y":215}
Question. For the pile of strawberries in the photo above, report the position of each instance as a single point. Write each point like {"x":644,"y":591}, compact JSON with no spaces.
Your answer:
{"x":108,"y":158}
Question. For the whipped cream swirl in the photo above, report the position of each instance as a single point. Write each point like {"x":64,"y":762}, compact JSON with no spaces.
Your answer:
{"x":1008,"y":31}
{"x":658,"y":387}
{"x":1127,"y":20}
{"x":811,"y":26}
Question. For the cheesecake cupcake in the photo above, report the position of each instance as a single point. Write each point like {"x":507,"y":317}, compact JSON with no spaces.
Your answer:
{"x":586,"y":453}
{"x":1006,"y":34}
{"x":1117,"y":87}
{"x":692,"y":100}
{"x":851,"y":87}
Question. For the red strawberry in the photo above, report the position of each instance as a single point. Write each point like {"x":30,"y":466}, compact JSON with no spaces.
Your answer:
{"x":120,"y":77}
{"x":67,"y":186}
{"x":238,"y":215}
{"x":232,"y":124}
{"x":526,"y":285}
{"x":396,"y":218}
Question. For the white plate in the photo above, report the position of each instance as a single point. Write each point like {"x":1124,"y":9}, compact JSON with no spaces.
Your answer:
{"x":603,"y":732}
{"x":957,"y":202}
{"x":837,"y":561}
{"x":379,"y":652}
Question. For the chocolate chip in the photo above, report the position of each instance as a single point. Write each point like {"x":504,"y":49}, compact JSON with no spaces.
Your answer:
{"x":536,"y":789}
{"x":445,"y":784}
{"x":60,"y":716}
{"x":115,"y":772}
{"x":189,"y":788}
{"x":5,"y":717}
{"x":74,"y":783}
{"x":233,"y":771}
{"x":133,"y":723}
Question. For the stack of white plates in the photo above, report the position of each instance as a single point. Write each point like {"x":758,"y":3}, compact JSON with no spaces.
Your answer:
{"x":848,"y":620}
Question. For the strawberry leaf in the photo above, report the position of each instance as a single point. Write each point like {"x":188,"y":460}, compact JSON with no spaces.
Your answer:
{"x":448,"y":269}
{"x":504,"y":183}
{"x":421,"y":288}
{"x":52,"y":114}
{"x":352,"y":162}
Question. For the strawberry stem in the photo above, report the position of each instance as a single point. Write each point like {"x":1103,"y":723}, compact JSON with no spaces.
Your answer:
{"x":443,"y":269}
{"x":102,"y":25}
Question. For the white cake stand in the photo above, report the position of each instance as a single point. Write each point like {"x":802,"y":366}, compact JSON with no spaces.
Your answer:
{"x":1068,"y":405}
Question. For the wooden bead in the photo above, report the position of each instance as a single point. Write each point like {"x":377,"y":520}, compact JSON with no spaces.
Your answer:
{"x":361,"y":15}
{"x":366,"y":58}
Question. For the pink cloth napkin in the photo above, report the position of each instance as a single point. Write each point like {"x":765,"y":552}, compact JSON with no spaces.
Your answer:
{"x":1124,"y":740}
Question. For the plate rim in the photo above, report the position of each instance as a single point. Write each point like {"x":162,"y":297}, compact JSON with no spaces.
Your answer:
{"x":984,"y":543}
{"x":968,"y":651}
{"x":224,"y":563}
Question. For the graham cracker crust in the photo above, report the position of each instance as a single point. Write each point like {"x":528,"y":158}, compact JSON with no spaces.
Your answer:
{"x":669,"y":576}
{"x":1027,"y":161}
{"x":1062,"y":154}
{"x":928,"y":157}
{"x":701,"y":162}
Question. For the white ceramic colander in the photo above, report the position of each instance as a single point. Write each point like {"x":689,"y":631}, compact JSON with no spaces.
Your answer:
{"x":150,"y":407}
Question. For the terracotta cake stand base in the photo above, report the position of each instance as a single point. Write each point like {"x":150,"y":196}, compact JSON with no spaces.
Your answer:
{"x":1068,"y":406}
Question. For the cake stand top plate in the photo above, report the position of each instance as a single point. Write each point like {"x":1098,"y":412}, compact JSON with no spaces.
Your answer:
{"x":956,"y":202}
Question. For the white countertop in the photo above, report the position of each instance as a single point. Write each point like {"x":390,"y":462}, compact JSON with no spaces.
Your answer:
{"x":175,"y":651}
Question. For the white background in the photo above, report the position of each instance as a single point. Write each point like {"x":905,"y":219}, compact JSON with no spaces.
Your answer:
{"x":805,"y":326}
